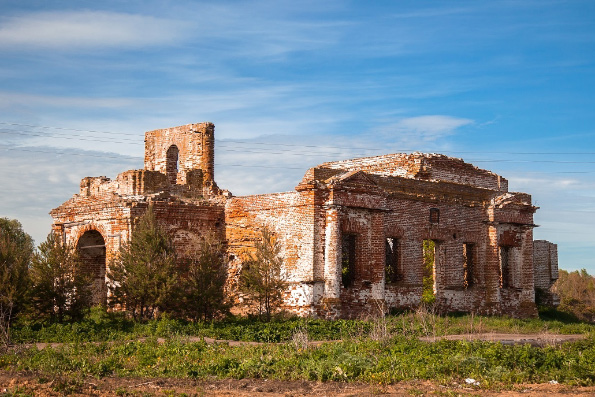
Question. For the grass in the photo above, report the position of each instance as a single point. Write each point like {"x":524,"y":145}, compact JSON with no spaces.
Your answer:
{"x":100,"y":326}
{"x":401,"y":358}
{"x":380,"y":351}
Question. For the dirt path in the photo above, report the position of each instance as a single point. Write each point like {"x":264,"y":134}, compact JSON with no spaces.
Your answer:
{"x":539,"y":340}
{"x":506,"y":339}
{"x":33,"y":384}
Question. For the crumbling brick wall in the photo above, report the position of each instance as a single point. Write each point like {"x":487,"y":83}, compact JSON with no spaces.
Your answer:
{"x":343,"y":225}
{"x":545,"y":262}
{"x":195,"y":144}
{"x":290,"y":217}
{"x":181,"y":188}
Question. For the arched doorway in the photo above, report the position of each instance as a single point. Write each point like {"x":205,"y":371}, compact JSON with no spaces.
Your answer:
{"x":91,"y":248}
{"x":171,"y":165}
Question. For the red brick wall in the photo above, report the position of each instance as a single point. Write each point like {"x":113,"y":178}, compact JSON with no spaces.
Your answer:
{"x":196,"y":145}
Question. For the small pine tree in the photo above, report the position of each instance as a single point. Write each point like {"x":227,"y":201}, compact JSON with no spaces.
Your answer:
{"x":143,"y":276}
{"x":261,"y":279}
{"x":203,"y":281}
{"x":59,"y":289}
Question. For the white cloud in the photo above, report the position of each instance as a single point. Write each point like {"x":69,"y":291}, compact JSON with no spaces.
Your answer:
{"x":72,"y":30}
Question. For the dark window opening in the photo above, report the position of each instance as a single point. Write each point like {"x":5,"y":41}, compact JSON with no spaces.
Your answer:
{"x":392,"y":271}
{"x":171,"y":165}
{"x":468,"y":264}
{"x":348,"y":259}
{"x":505,"y":267}
{"x":434,"y":215}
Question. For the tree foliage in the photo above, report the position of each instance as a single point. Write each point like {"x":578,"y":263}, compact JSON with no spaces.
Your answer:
{"x":59,"y":288}
{"x":577,"y":293}
{"x":261,"y":279}
{"x":16,"y":249}
{"x":143,"y":276}
{"x":429,"y":254}
{"x":203,"y":280}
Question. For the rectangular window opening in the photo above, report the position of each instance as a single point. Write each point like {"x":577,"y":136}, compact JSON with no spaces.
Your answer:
{"x":392,"y":270}
{"x":468,"y":265}
{"x":348,"y":242}
{"x":504,"y":267}
{"x":434,"y":215}
{"x":429,"y":271}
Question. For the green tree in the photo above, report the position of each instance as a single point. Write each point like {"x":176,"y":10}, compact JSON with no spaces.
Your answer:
{"x":203,"y":280}
{"x":144,"y":275}
{"x":16,"y":249}
{"x":261,"y":279}
{"x":577,"y":293}
{"x":59,"y":288}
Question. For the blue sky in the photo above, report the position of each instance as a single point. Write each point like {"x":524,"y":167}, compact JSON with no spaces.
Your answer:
{"x":506,"y":85}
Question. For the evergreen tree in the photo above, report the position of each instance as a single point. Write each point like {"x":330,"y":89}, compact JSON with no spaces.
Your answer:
{"x":16,"y":249}
{"x":59,"y":289}
{"x":203,"y":281}
{"x":262,"y":280}
{"x":143,"y":276}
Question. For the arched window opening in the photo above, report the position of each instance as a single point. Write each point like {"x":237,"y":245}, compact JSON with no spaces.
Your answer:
{"x":172,"y":163}
{"x":91,"y":248}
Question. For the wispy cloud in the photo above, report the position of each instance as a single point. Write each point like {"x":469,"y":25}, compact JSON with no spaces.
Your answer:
{"x":423,"y":129}
{"x":74,"y":30}
{"x":15,"y":98}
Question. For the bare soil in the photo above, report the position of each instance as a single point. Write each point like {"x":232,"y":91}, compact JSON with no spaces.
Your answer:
{"x":506,"y":339}
{"x":26,"y":383}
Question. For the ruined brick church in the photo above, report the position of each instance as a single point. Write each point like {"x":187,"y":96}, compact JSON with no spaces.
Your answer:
{"x":352,"y":232}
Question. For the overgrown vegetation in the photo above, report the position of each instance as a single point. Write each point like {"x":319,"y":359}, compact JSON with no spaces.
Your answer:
{"x":357,"y":354}
{"x":577,"y":293}
{"x":262,"y":281}
{"x":429,"y":252}
{"x":378,"y":350}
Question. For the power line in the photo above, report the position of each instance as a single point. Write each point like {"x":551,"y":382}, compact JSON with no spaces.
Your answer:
{"x":247,"y":142}
{"x":71,"y":137}
{"x":471,"y":161}
{"x":87,"y":154}
{"x":66,"y":129}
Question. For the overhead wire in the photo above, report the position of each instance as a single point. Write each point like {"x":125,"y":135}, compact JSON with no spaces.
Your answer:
{"x":277,"y":151}
{"x":250,"y":142}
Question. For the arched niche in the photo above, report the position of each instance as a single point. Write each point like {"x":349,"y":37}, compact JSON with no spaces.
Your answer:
{"x":172,"y":164}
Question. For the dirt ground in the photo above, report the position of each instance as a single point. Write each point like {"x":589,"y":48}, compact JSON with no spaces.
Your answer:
{"x":540,"y":340}
{"x":25,"y":383}
{"x":506,"y":339}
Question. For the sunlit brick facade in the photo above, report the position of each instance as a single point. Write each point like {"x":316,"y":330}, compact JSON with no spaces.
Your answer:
{"x":352,"y":232}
